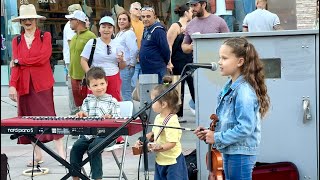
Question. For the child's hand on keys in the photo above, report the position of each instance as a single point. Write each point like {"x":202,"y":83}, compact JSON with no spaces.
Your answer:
{"x":107,"y":116}
{"x":81,"y":114}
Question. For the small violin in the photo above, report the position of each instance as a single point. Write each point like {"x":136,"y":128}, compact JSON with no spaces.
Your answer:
{"x":214,"y":158}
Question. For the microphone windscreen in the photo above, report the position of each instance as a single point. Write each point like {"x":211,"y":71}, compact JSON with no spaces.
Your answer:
{"x":214,"y":66}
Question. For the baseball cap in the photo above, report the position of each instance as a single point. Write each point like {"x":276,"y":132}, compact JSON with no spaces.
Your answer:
{"x":74,"y":7}
{"x":107,"y":19}
{"x":196,"y":1}
{"x":81,"y":16}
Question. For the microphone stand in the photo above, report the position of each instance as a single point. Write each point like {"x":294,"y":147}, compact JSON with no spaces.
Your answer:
{"x":143,"y":116}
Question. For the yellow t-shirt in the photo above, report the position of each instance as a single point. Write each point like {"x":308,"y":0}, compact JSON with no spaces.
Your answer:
{"x":168,"y":135}
{"x":138,"y":30}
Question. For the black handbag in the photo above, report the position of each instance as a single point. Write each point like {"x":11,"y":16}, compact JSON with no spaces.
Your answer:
{"x":4,"y":166}
{"x":84,"y":81}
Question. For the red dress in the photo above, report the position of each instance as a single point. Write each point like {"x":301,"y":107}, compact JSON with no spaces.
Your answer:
{"x":33,"y":79}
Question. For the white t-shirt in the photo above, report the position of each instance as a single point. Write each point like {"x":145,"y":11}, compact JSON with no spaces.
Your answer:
{"x":101,"y":57}
{"x":221,"y":8}
{"x":128,"y":40}
{"x":261,"y":20}
{"x":68,"y":33}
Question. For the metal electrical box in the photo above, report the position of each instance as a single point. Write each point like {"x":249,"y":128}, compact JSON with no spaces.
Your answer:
{"x":290,"y":131}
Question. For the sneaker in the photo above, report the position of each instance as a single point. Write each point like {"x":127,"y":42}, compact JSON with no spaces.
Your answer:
{"x":193,"y":111}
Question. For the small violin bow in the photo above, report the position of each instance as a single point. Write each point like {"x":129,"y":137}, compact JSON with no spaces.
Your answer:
{"x":182,"y":128}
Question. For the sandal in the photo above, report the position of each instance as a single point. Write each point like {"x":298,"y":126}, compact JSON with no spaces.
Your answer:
{"x":35,"y":163}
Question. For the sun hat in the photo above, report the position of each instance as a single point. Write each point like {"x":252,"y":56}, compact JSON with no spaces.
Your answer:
{"x":74,"y":7}
{"x":27,"y":11}
{"x":77,"y":14}
{"x":107,"y":19}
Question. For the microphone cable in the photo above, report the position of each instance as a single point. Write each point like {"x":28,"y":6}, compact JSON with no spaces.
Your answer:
{"x":140,"y":156}
{"x":9,"y":103}
{"x":33,"y":158}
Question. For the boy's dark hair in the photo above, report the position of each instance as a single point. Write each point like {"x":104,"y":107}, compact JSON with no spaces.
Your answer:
{"x":171,"y":98}
{"x":95,"y":73}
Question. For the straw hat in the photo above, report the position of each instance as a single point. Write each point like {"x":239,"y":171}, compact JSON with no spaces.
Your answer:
{"x":27,"y":11}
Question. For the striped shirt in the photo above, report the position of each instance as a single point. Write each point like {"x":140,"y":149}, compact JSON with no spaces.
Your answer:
{"x":99,"y":106}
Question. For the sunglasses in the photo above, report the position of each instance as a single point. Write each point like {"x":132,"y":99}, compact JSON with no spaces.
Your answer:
{"x":147,"y":9}
{"x":27,"y":19}
{"x":108,"y":49}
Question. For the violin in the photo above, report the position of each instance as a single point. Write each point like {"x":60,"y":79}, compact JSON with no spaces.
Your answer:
{"x":214,"y":158}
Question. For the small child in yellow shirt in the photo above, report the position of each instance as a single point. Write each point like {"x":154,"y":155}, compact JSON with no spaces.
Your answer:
{"x":170,"y":162}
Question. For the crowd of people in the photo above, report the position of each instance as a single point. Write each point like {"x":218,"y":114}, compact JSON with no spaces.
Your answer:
{"x":137,"y":43}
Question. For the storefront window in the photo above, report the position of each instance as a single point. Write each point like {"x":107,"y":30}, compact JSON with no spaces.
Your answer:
{"x":8,"y":29}
{"x":293,"y":14}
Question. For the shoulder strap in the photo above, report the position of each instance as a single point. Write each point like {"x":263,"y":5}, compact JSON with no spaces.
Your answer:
{"x":92,"y":52}
{"x":165,"y":121}
{"x":41,"y":37}
{"x":179,"y":24}
{"x":18,"y":39}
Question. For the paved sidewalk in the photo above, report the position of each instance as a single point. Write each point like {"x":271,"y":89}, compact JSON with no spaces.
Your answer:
{"x":20,"y":155}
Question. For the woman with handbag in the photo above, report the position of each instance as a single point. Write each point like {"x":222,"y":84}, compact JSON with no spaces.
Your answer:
{"x":105,"y":56}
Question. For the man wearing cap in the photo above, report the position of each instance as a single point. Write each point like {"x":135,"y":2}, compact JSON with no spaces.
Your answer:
{"x":154,"y":51}
{"x":204,"y":22}
{"x":68,"y":33}
{"x":78,"y":41}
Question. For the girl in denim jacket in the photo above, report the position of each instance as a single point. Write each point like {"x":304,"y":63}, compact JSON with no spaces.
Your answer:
{"x":242,"y":103}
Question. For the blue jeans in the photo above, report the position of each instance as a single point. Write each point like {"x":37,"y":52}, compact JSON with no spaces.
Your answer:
{"x":241,"y":9}
{"x":238,"y":166}
{"x":135,"y":77}
{"x":192,"y":104}
{"x":174,"y":171}
{"x":126,"y":75}
{"x":81,"y":146}
{"x":161,"y":72}
{"x":229,"y":20}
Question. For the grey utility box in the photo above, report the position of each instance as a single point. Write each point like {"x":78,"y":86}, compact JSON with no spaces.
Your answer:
{"x":290,"y":132}
{"x":147,"y":83}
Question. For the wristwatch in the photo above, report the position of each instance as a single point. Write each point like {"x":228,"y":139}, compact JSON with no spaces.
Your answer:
{"x":16,"y":62}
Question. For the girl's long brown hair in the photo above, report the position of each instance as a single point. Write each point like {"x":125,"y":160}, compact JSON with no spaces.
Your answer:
{"x":252,"y":70}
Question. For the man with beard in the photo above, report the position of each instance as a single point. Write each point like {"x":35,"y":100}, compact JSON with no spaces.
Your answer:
{"x":204,"y":22}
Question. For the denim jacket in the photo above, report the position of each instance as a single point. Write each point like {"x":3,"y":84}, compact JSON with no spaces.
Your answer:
{"x":238,"y":130}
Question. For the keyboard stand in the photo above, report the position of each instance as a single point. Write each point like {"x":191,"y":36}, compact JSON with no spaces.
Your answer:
{"x":56,"y":157}
{"x":64,"y":162}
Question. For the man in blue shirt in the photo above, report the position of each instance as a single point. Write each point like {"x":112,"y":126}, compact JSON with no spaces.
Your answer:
{"x":154,"y":52}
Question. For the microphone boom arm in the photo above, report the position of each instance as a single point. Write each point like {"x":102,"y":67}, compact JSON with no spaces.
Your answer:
{"x":100,"y":146}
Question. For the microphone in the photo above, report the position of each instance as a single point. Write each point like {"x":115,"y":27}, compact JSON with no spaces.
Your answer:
{"x":213,"y":66}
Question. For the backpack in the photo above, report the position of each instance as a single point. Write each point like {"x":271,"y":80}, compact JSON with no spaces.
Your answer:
{"x":52,"y":61}
{"x":191,"y":161}
{"x":41,"y":37}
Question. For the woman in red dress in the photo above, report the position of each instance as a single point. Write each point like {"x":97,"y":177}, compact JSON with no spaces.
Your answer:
{"x":31,"y":80}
